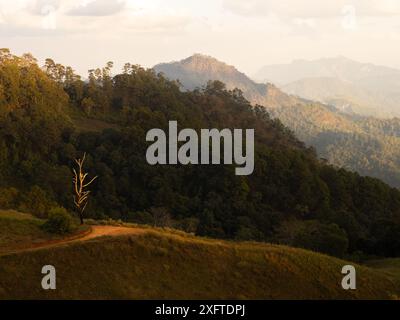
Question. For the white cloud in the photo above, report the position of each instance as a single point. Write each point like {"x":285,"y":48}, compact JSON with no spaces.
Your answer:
{"x":246,"y":33}
{"x":100,"y":17}
{"x":311,"y":8}
{"x":305,"y":22}
{"x":156,"y":23}
{"x":98,"y":8}
{"x":349,"y":17}
{"x":44,"y":7}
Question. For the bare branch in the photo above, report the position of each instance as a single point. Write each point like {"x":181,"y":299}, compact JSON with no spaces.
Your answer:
{"x":81,"y":195}
{"x":90,"y":182}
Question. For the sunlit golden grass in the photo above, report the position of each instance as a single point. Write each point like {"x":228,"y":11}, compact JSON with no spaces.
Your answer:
{"x":390,"y":266}
{"x":15,"y":215}
{"x":166,"y":264}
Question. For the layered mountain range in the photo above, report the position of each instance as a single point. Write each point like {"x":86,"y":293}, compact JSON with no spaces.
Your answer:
{"x":335,"y":127}
{"x":351,"y":86}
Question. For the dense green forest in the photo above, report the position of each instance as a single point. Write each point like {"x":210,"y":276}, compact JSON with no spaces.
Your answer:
{"x":368,"y":145}
{"x":49,"y":117}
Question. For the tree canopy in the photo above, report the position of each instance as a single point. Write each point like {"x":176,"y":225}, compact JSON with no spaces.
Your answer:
{"x":40,"y":109}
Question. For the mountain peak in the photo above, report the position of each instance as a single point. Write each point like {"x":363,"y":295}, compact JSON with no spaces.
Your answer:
{"x":196,"y":70}
{"x":201,"y":56}
{"x":205,"y":63}
{"x":204,"y":67}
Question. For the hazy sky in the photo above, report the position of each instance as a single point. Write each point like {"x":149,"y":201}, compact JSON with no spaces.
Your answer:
{"x":245,"y":33}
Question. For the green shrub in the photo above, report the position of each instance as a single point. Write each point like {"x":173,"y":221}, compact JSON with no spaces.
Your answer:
{"x":321,"y":237}
{"x":36,"y":202}
{"x":141,"y":217}
{"x":248,"y":234}
{"x":8,"y":198}
{"x":59,"y":221}
{"x":189,"y":225}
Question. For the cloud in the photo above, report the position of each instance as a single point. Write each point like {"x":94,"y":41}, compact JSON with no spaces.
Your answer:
{"x":302,"y":22}
{"x":7,"y":31}
{"x":98,"y":8}
{"x":111,"y":18}
{"x":44,"y":7}
{"x":31,"y":18}
{"x":286,"y":8}
{"x":12,"y":7}
{"x":156,"y":23}
{"x":311,"y":8}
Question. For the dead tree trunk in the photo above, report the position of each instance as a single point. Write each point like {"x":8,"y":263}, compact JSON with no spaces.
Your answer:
{"x":81,"y":195}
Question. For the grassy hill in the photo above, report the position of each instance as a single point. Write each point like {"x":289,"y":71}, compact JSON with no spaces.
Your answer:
{"x":291,"y":197}
{"x":389,"y":266}
{"x":169,"y":264}
{"x":20,"y":231}
{"x":289,"y":186}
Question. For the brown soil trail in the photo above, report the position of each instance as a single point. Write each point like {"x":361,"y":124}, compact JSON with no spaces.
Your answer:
{"x":92,"y":233}
{"x":100,"y":231}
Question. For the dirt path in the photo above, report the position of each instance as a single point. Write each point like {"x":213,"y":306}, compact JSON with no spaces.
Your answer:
{"x":100,"y":231}
{"x":92,"y":233}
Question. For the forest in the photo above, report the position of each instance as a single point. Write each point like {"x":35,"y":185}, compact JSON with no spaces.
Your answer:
{"x":49,"y":116}
{"x":368,"y":145}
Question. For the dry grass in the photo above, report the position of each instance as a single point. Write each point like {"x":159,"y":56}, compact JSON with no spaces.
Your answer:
{"x":162,"y":264}
{"x":19,"y":231}
{"x":389,"y":266}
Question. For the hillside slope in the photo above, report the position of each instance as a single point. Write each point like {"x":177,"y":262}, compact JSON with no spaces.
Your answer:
{"x":344,"y":95}
{"x":170,"y":265}
{"x":367,"y":145}
{"x":195,"y":71}
{"x":21,"y":231}
{"x":289,"y":198}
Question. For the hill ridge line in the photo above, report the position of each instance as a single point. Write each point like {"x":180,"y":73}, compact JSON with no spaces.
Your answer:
{"x":91,"y":233}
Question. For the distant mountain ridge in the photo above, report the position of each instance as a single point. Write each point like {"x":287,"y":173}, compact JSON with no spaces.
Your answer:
{"x":344,"y":95}
{"x":368,"y":145}
{"x":338,"y":67}
{"x":365,"y":88}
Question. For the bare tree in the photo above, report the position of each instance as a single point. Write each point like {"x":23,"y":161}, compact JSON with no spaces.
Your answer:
{"x":81,"y":194}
